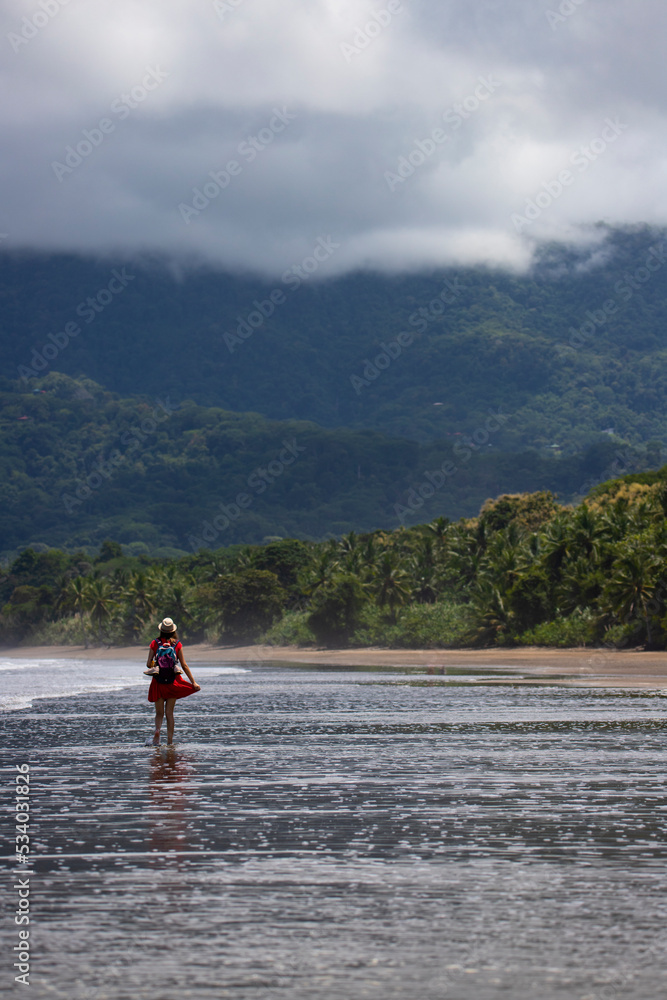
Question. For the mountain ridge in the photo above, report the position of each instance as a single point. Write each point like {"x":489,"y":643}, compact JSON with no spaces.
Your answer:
{"x":574,"y":347}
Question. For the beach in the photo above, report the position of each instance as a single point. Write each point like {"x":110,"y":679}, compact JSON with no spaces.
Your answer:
{"x":585,"y":667}
{"x":330,"y":830}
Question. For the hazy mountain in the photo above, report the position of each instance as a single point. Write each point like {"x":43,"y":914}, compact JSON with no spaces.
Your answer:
{"x":571,"y":350}
{"x":416,"y":395}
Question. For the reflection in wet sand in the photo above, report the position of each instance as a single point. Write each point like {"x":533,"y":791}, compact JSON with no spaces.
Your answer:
{"x":168,"y":776}
{"x":333,"y":835}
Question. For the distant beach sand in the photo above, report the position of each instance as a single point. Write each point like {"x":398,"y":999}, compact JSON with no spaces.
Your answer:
{"x":581,"y":667}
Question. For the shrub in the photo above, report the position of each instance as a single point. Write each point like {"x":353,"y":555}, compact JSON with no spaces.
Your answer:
{"x":578,"y":629}
{"x":291,"y":630}
{"x":336,"y":610}
{"x":248,"y":603}
{"x":418,"y":626}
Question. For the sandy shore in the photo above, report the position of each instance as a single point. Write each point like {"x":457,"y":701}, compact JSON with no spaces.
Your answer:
{"x":583,"y":667}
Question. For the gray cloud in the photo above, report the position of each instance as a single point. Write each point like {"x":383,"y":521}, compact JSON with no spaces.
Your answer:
{"x":413,"y":132}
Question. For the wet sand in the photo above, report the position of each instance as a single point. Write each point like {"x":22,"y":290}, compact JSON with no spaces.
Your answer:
{"x":581,"y":667}
{"x":329,"y":834}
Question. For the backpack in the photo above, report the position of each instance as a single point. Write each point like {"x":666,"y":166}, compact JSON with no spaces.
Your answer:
{"x":166,"y":660}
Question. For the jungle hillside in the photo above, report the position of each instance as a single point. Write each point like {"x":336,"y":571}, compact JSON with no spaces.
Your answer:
{"x":172,"y":408}
{"x":525,"y":571}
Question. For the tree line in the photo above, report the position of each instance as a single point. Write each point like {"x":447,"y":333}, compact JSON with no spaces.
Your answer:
{"x":527,"y":570}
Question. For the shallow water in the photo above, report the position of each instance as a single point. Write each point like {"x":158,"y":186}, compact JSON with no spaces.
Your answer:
{"x":345,"y":834}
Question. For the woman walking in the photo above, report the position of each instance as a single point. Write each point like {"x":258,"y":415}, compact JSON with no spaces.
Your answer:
{"x":167,"y":685}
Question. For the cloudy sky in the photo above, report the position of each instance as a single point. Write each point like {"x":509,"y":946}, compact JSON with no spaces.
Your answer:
{"x":403,"y":133}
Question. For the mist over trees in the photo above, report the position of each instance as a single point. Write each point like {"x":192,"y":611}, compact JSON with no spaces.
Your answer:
{"x":318,"y":466}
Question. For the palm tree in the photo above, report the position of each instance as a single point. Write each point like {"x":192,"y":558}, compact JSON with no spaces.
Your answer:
{"x":588,"y":530}
{"x":422,"y":568}
{"x":175,"y":591}
{"x":61,"y":603}
{"x":320,"y":571}
{"x":141,"y":595}
{"x":348,"y":543}
{"x":371,"y":547}
{"x":490,"y":613}
{"x":506,"y":556}
{"x":245,"y":559}
{"x":390,"y":582}
{"x":580,"y":585}
{"x":439,"y":528}
{"x":74,"y":598}
{"x":463,"y":560}
{"x":557,"y":544}
{"x":99,"y":602}
{"x":633,"y":584}
{"x":349,"y":554}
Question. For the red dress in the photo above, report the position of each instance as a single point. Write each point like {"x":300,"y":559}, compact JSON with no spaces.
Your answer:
{"x":179,"y":688}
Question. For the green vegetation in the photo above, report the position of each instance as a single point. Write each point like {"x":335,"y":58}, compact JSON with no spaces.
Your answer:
{"x":80,"y":465}
{"x":573,"y":348}
{"x":153,"y":458}
{"x":526,"y":570}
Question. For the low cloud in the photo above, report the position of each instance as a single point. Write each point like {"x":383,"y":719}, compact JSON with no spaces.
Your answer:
{"x":475,"y":108}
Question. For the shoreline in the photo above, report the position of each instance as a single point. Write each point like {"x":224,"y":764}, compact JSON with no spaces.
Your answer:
{"x":584,"y":667}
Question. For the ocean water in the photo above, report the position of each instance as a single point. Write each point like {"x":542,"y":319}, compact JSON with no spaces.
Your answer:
{"x":326,"y":833}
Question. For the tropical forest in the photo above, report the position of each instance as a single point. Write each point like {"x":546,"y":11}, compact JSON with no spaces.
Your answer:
{"x":472,"y":457}
{"x":525,"y":571}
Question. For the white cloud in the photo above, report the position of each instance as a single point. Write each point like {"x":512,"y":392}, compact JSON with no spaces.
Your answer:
{"x":418,"y":68}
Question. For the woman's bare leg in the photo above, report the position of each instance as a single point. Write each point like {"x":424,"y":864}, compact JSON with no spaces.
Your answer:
{"x":159,"y":715}
{"x":170,"y":719}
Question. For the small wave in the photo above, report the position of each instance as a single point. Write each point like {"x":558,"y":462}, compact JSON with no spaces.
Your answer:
{"x":14,"y":701}
{"x":28,"y":664}
{"x":29,"y":680}
{"x":222,"y":670}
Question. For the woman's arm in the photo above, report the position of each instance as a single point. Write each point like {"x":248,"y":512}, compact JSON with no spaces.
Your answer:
{"x":187,"y":669}
{"x":151,"y":656}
